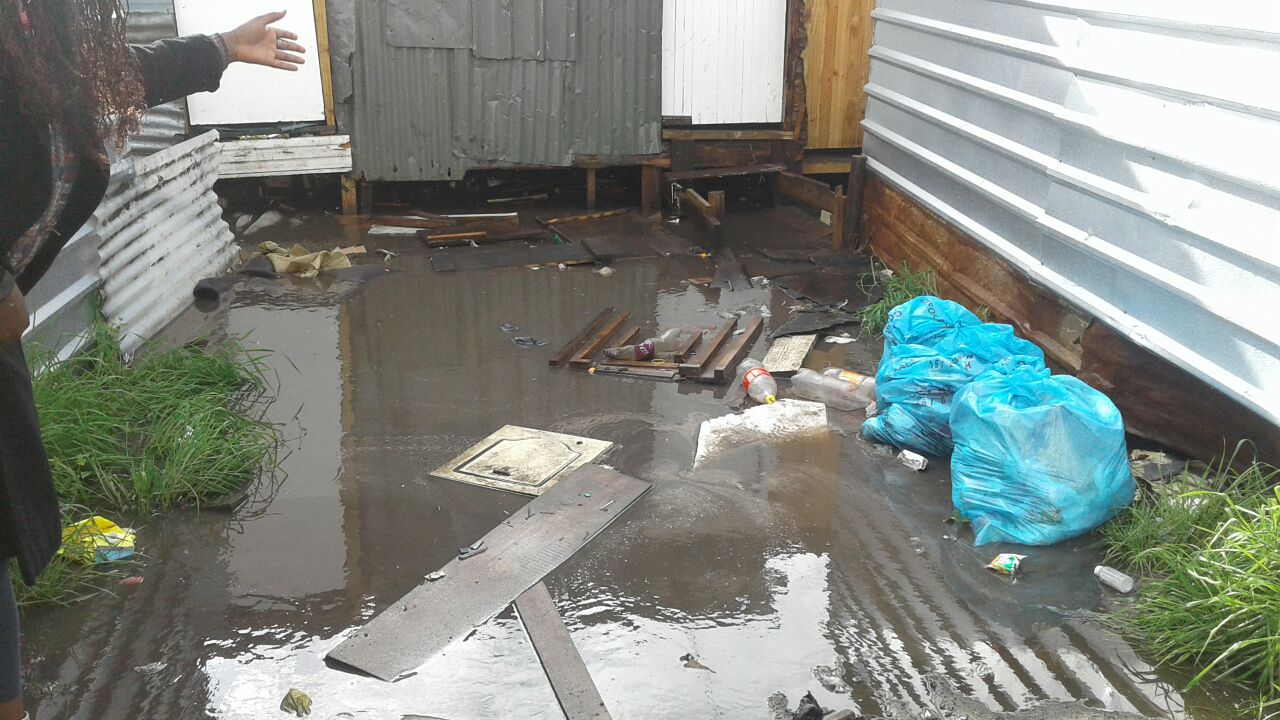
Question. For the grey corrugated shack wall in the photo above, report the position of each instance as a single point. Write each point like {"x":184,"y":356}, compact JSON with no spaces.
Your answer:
{"x":429,"y":89}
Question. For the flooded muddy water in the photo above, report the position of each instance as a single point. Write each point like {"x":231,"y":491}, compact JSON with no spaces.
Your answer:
{"x":815,"y":564}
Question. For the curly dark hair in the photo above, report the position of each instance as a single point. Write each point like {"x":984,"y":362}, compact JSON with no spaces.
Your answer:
{"x":72,"y":67}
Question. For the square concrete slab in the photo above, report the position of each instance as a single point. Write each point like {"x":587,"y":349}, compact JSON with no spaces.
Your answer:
{"x":522,"y":460}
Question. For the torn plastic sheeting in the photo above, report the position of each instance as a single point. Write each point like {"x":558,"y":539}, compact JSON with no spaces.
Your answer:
{"x":763,"y":423}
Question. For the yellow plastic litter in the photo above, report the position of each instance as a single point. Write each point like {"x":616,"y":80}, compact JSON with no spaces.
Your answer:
{"x":297,"y":260}
{"x":96,"y":540}
{"x":296,"y":702}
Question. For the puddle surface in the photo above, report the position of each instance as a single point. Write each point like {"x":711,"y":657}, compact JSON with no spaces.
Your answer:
{"x":771,"y":561}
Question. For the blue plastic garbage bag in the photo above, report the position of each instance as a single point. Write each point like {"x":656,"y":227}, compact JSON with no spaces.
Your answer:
{"x":932,"y":348}
{"x":1038,"y":459}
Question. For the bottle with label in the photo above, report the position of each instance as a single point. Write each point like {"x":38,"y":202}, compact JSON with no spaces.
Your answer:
{"x":757,"y":381}
{"x":832,"y":391}
{"x":666,"y":343}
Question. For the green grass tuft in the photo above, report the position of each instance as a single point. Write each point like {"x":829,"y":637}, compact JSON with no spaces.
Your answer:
{"x":901,"y":287}
{"x":129,"y":439}
{"x":1209,"y":546}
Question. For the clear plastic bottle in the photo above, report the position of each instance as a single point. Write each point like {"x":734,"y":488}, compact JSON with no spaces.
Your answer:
{"x":667,"y":342}
{"x":757,"y":381}
{"x":856,"y":378}
{"x":832,"y":391}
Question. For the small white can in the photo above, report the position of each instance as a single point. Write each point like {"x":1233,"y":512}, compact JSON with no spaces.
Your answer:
{"x":915,"y":461}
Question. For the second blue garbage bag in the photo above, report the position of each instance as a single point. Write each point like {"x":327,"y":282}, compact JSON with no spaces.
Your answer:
{"x":932,"y":348}
{"x":1038,"y":459}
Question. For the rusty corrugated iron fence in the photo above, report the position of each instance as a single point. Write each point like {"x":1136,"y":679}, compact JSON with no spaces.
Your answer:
{"x":1122,"y":154}
{"x":439,"y":87}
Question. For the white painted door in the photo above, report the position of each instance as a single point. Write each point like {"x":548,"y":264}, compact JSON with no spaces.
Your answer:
{"x":253,"y":94}
{"x":724,"y":61}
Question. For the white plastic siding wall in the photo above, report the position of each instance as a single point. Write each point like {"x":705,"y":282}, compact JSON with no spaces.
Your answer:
{"x":1122,"y":153}
{"x":162,"y":231}
{"x":724,"y":61}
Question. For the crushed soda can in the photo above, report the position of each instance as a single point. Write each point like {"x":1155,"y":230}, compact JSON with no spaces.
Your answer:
{"x":1007,"y":564}
{"x":915,"y":461}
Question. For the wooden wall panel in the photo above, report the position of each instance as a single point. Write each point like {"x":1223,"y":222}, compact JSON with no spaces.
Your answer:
{"x":836,"y":69}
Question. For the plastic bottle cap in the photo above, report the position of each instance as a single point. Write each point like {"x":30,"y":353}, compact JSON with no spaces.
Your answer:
{"x":591,"y":371}
{"x":769,"y":400}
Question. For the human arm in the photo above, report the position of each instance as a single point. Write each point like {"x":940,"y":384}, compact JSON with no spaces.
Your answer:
{"x":177,"y":67}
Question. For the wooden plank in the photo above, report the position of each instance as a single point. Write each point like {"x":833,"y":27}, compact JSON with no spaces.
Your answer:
{"x":598,"y":341}
{"x":591,"y":188}
{"x":806,"y":191}
{"x":700,"y":211}
{"x":549,"y":221}
{"x":836,"y":69}
{"x":508,"y":255}
{"x":736,"y":171}
{"x":450,"y":239}
{"x":838,"y":220}
{"x":682,"y":353}
{"x":857,"y":189}
{"x":650,"y":188}
{"x":683,"y":155}
{"x":575,"y":690}
{"x":350,"y":208}
{"x":716,"y":199}
{"x":646,"y":373}
{"x":322,"y":56}
{"x":520,"y":551}
{"x":487,"y":218}
{"x":577,"y":340}
{"x":492,"y":235}
{"x":671,"y":134}
{"x":725,"y":363}
{"x":701,"y":360}
{"x":786,"y":356}
{"x":640,"y":363}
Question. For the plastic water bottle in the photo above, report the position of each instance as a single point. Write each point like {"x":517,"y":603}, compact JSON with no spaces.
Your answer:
{"x":757,"y":381}
{"x":1115,"y":579}
{"x":831,"y":391}
{"x":667,"y":342}
{"x":856,"y":378}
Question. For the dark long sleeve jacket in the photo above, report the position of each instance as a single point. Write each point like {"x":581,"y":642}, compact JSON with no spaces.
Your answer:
{"x":30,"y":526}
{"x":170,"y":69}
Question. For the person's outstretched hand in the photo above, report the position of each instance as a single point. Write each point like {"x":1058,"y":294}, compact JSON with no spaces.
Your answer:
{"x":256,"y":43}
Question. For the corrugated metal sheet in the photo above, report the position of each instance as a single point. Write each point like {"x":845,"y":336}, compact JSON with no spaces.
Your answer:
{"x":428,"y":113}
{"x":162,"y":231}
{"x":166,"y":125}
{"x":724,"y":61}
{"x":1120,"y":153}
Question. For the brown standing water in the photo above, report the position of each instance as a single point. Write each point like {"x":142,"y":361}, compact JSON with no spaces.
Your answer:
{"x":769,"y":564}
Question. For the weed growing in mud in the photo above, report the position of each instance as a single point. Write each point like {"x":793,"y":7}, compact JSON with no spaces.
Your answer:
{"x":179,"y":427}
{"x":900,"y":287}
{"x":1210,"y":548}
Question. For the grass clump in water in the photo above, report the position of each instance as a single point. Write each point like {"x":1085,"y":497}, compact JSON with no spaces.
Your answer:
{"x":899,"y":286}
{"x":179,"y":427}
{"x":1211,"y":600}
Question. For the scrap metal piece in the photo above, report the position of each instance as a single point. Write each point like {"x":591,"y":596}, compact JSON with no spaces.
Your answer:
{"x":522,"y":460}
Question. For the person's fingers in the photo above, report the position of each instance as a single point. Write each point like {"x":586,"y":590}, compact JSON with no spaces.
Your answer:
{"x":291,"y":46}
{"x":269,"y":18}
{"x":290,"y":58}
{"x":281,"y":65}
{"x":287,"y":35}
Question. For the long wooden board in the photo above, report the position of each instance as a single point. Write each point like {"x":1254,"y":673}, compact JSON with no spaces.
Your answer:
{"x":576,"y":341}
{"x":702,"y":357}
{"x":522,"y":550}
{"x":508,"y":255}
{"x":598,"y":341}
{"x":724,"y":365}
{"x":572,"y":683}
